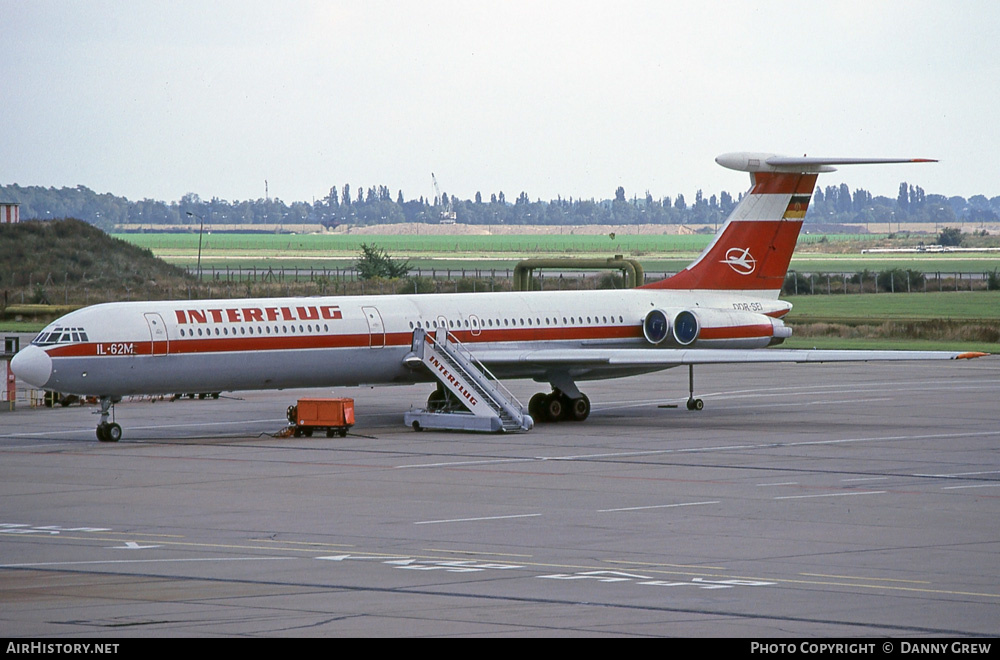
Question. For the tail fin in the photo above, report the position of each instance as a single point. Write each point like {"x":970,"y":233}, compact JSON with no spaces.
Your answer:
{"x":755,"y":245}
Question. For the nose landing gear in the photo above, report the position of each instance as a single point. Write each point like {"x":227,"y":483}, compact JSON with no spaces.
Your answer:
{"x":108,"y":431}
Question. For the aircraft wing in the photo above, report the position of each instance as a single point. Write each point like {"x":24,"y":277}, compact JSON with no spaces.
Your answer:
{"x":593,"y":361}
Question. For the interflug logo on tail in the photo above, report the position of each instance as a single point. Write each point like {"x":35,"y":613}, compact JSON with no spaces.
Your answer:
{"x":740,"y":260}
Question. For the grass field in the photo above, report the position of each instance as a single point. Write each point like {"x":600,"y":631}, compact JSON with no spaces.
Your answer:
{"x":658,"y":253}
{"x":843,"y":344}
{"x":350,"y":244}
{"x":962,"y":321}
{"x":857,"y":308}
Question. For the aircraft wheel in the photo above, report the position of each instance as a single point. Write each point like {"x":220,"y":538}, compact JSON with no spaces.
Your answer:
{"x":114,"y":432}
{"x":536,"y":406}
{"x":555,"y":407}
{"x":695,"y":404}
{"x":102,"y":433}
{"x":579,"y":408}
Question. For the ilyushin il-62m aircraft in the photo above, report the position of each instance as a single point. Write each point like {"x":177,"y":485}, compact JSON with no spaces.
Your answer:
{"x":722,"y":308}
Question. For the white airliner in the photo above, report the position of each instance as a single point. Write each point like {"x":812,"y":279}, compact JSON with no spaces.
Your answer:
{"x":723,"y":308}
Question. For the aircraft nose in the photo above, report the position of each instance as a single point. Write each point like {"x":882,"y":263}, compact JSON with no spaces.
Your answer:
{"x":32,"y":365}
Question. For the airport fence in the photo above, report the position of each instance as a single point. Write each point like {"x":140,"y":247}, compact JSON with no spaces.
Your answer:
{"x":425,"y":280}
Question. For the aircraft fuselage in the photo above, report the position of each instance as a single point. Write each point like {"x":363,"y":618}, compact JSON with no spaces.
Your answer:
{"x":164,"y":347}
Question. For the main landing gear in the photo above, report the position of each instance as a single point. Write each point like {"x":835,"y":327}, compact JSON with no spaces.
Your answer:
{"x":693,"y":403}
{"x":108,"y":431}
{"x":556,"y":406}
{"x":560,"y":405}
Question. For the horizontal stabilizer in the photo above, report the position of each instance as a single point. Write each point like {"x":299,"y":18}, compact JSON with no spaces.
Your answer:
{"x":760,"y":162}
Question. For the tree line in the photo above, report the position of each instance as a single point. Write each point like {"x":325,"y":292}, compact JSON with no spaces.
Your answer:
{"x":377,"y":205}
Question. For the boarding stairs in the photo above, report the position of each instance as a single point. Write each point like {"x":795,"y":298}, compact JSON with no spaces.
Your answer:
{"x":485,"y":404}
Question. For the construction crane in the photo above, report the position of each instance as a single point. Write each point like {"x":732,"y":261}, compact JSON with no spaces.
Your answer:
{"x":447,"y":215}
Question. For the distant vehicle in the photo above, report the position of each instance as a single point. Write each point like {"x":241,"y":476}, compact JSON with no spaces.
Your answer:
{"x":723,"y":308}
{"x":334,"y":416}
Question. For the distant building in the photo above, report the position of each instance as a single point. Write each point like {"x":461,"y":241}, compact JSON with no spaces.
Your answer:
{"x":9,"y":213}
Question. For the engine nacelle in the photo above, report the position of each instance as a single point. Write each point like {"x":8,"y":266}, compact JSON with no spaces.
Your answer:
{"x":680,"y":327}
{"x":656,"y":326}
{"x":687,"y":327}
{"x":739,"y":329}
{"x":713,"y":328}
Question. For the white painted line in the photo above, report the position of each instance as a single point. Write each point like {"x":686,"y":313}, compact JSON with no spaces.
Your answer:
{"x":143,"y":428}
{"x":136,"y":561}
{"x":492,"y":461}
{"x":657,"y":506}
{"x":970,"y":486}
{"x":957,"y":474}
{"x":864,"y":479}
{"x":434,"y":522}
{"x":780,"y":483}
{"x":802,"y":497}
{"x":696,"y":450}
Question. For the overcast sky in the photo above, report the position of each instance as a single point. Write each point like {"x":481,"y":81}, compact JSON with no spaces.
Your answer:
{"x":157,"y":99}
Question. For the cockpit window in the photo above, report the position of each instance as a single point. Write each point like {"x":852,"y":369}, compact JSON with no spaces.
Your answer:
{"x":60,"y":336}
